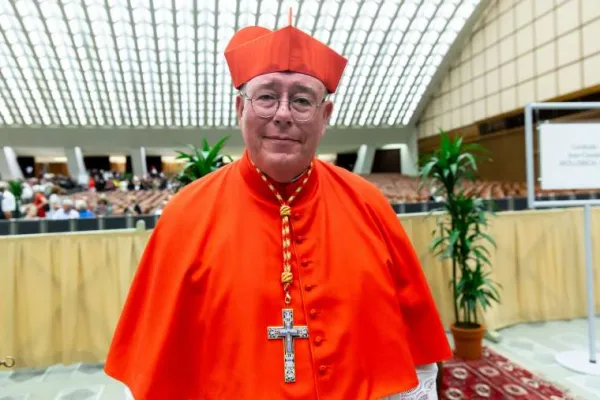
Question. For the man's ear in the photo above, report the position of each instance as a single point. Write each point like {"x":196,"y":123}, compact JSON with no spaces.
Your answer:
{"x":239,"y":107}
{"x":327,"y":111}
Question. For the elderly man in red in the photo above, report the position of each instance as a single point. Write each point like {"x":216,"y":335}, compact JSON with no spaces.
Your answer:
{"x":279,"y":276}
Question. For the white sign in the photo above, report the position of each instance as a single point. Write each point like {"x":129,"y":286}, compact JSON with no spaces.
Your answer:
{"x":570,"y":156}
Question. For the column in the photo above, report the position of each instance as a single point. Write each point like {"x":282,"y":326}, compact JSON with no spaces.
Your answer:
{"x":409,"y":156}
{"x":138,"y":162}
{"x":364,"y":160}
{"x":9,"y":166}
{"x":76,"y":165}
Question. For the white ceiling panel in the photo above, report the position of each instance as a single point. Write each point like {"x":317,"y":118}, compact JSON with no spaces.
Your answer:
{"x":160,"y":63}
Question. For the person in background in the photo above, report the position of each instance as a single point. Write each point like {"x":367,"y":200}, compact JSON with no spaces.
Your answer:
{"x":39,"y":201}
{"x":82,"y":208}
{"x":135,"y":184}
{"x":103,"y":207}
{"x":30,"y":211}
{"x":8,"y":202}
{"x":27,"y":193}
{"x":123,"y":185}
{"x":54,"y":206}
{"x":91,"y":184}
{"x":100,"y":181}
{"x":133,"y":208}
{"x":159,"y":209}
{"x":67,"y":211}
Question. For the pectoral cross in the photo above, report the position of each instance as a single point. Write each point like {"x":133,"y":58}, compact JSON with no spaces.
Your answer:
{"x":288,"y":332}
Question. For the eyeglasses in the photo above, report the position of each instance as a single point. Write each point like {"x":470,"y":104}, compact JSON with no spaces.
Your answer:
{"x":266,"y":106}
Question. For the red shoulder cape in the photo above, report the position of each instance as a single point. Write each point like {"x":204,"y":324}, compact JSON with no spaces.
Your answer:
{"x":194,"y":325}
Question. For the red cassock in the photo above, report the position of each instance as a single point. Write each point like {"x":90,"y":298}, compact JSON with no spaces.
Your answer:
{"x":194,"y":325}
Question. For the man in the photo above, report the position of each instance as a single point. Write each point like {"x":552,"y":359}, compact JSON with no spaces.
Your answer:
{"x":279,"y":276}
{"x":83,"y":210}
{"x":103,"y":208}
{"x":67,"y":211}
{"x":40,"y":201}
{"x":54,"y":201}
{"x":8,"y":203}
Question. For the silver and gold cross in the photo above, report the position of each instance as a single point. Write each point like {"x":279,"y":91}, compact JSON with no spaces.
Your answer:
{"x":288,"y":332}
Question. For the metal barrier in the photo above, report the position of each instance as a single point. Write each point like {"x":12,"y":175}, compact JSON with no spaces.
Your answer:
{"x":32,"y":226}
{"x":504,"y":204}
{"x":36,"y":226}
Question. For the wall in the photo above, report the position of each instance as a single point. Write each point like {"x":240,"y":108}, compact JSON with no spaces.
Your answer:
{"x":171,"y":167}
{"x":117,"y":167}
{"x":57,"y":168}
{"x":103,"y":140}
{"x":506,"y":153}
{"x":505,"y":150}
{"x":520,"y":51}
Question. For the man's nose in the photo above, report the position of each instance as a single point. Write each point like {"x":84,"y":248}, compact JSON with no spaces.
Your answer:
{"x":283,"y":115}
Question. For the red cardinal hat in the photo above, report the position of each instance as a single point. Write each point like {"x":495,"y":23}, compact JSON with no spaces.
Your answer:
{"x":255,"y":51}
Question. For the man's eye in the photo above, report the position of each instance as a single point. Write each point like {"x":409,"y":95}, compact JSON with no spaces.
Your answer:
{"x":302,"y":101}
{"x":265,"y":97}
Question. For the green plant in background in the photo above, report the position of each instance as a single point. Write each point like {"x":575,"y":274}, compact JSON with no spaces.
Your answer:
{"x":459,"y":234}
{"x":16,"y":188}
{"x":201,"y":161}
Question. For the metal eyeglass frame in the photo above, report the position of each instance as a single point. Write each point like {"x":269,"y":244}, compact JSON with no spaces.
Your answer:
{"x":245,"y":96}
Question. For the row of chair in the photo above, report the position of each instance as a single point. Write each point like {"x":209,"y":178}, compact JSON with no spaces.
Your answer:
{"x":399,"y":188}
{"x":148,"y":200}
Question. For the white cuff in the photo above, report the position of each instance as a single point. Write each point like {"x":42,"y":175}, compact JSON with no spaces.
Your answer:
{"x":427,"y":389}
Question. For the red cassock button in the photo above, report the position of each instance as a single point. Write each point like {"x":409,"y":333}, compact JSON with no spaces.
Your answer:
{"x":322,"y":369}
{"x":305,"y":263}
{"x":300,"y":239}
{"x":313,"y":313}
{"x":297,"y":216}
{"x":308,"y":288}
{"x":318,"y":340}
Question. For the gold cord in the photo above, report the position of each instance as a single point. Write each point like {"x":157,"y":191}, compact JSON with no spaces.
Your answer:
{"x":285,"y":211}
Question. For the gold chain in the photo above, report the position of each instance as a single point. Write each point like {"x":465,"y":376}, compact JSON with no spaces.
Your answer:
{"x":284,"y":212}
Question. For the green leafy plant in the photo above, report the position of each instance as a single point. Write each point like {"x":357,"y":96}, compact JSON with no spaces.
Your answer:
{"x":460,"y":229}
{"x":201,"y":161}
{"x":16,"y":188}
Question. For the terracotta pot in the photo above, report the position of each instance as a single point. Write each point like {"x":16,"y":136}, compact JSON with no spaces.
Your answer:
{"x":468,"y":342}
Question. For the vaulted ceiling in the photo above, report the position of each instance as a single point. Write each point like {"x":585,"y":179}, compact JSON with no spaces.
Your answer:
{"x":160,"y":63}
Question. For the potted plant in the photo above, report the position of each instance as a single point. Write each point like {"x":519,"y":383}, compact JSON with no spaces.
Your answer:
{"x":201,"y":161}
{"x":460,"y":237}
{"x":16,"y":188}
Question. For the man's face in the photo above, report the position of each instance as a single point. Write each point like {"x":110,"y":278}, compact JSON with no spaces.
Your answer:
{"x":283,"y":144}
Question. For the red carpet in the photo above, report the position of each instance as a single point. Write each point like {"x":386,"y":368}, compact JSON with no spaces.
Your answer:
{"x":494,"y":377}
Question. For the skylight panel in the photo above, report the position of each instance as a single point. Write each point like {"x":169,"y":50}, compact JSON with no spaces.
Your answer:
{"x":141,"y":63}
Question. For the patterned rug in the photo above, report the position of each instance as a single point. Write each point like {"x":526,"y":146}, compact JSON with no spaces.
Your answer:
{"x":494,"y":377}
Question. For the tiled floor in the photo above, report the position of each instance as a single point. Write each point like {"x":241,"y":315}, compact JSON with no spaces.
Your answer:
{"x":531,"y":345}
{"x":535,"y":346}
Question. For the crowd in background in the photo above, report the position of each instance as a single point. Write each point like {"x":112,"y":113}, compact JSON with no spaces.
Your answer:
{"x":59,"y":197}
{"x":101,"y":181}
